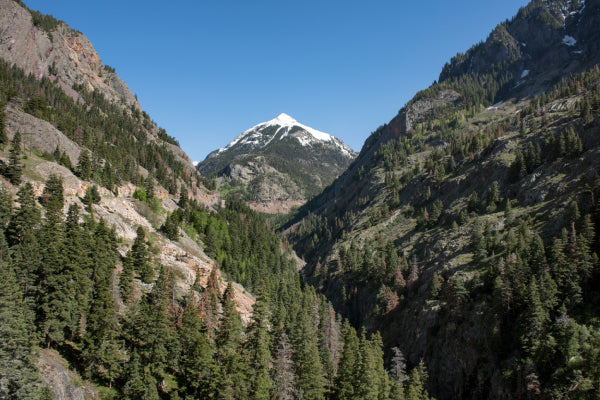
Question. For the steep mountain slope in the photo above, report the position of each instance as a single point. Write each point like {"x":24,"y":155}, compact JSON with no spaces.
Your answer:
{"x":279,"y":163}
{"x":45,"y":47}
{"x":464,"y":229}
{"x":111,"y":249}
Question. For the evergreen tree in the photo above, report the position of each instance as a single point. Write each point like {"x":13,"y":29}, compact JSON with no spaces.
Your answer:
{"x":372,"y":381}
{"x":84,"y":165}
{"x":258,"y":345}
{"x":149,"y":189}
{"x":197,"y":364}
{"x":126,"y":277}
{"x":52,"y":196}
{"x":141,"y":257}
{"x":26,"y":218}
{"x":14,"y":169}
{"x":415,"y":386}
{"x":3,"y":136}
{"x":92,"y":196}
{"x":345,"y":382}
{"x":103,"y":353}
{"x":5,"y":208}
{"x":19,"y":377}
{"x":56,"y":286}
{"x":79,"y":252}
{"x":310,"y":378}
{"x":233,"y":380}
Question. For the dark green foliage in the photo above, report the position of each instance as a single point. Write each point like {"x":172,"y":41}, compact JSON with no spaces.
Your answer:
{"x":233,"y":377}
{"x":19,"y":377}
{"x":26,"y":217}
{"x":3,"y":135}
{"x":14,"y":169}
{"x":139,"y":194}
{"x":171,"y":225}
{"x":309,"y":369}
{"x":84,"y":165}
{"x":92,"y":196}
{"x":104,"y":352}
{"x":141,"y":257}
{"x":44,"y":21}
{"x":53,"y":197}
{"x":38,"y":107}
{"x":259,"y":351}
{"x":126,"y":277}
{"x":199,"y":370}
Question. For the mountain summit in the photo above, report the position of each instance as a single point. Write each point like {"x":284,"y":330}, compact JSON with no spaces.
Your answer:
{"x":279,"y":163}
{"x":259,"y":136}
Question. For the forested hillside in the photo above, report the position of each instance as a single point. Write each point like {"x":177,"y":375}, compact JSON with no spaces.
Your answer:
{"x":465,"y":231}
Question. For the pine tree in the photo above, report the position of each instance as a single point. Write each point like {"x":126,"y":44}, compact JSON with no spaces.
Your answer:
{"x":26,"y":218}
{"x":372,"y":381}
{"x":56,"y":285}
{"x":141,"y":257}
{"x":345,"y":382}
{"x":415,"y":386}
{"x":233,"y":380}
{"x":103,"y":352}
{"x":5,"y":208}
{"x":14,"y":169}
{"x":52,"y":196}
{"x":126,"y":277}
{"x":197,"y":365}
{"x":84,"y":165}
{"x":92,"y":196}
{"x":259,"y":343}
{"x":309,"y":369}
{"x":19,"y":377}
{"x":79,"y":252}
{"x":149,"y":189}
{"x":3,"y":136}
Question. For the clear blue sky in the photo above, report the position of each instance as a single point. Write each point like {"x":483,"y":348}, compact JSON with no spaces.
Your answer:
{"x":208,"y":70}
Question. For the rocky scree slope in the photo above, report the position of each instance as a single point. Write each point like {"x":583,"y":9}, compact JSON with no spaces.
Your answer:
{"x":417,"y":237}
{"x":279,"y":163}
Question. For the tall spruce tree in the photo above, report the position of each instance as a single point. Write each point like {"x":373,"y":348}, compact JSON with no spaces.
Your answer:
{"x":19,"y":377}
{"x":14,"y":169}
{"x":3,"y":136}
{"x":141,"y":257}
{"x":26,"y":218}
{"x":309,"y":369}
{"x":233,"y":374}
{"x":346,"y":379}
{"x":259,"y":349}
{"x":198,"y":370}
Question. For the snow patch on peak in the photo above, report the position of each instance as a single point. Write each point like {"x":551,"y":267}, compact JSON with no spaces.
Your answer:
{"x":283,"y":122}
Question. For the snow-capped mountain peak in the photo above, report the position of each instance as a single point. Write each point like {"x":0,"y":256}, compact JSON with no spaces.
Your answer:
{"x":259,"y":136}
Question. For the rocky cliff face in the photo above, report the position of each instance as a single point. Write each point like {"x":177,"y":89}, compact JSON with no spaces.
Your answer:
{"x":543,"y":42}
{"x":56,"y":51}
